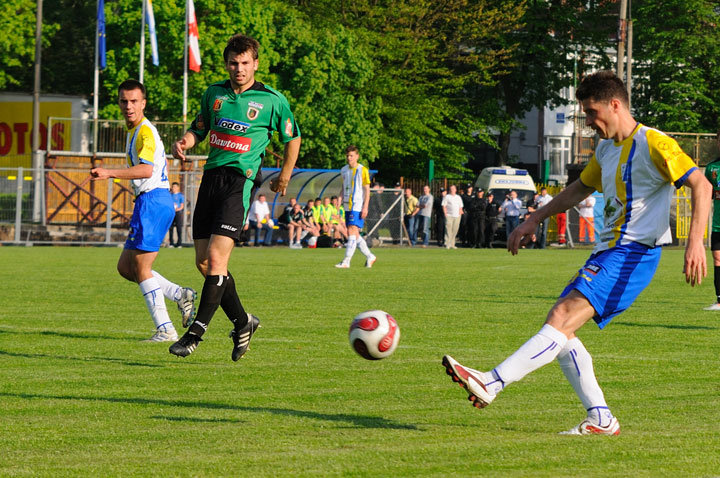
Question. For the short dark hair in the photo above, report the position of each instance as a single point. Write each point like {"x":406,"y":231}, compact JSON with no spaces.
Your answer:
{"x":602,"y":86}
{"x":239,"y":44}
{"x":131,"y":84}
{"x":352,"y":148}
{"x":175,"y":183}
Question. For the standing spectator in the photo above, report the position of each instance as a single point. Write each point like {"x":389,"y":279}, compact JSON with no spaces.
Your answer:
{"x":541,"y":201}
{"x":440,"y":217}
{"x":561,"y":224}
{"x":177,"y":224}
{"x":587,"y":220}
{"x":260,"y":219}
{"x":479,"y":219}
{"x":152,"y":213}
{"x":453,"y":208}
{"x":511,"y":207}
{"x":466,"y":194}
{"x":492,"y":211}
{"x":411,"y":210}
{"x":471,"y":206}
{"x":425,"y":208}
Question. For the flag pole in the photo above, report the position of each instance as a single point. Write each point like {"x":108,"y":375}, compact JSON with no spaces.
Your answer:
{"x":142,"y":41}
{"x":96,"y":82}
{"x":185,"y":64}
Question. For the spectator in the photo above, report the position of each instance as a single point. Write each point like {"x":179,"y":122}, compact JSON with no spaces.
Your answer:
{"x":511,"y":207}
{"x":466,"y":194}
{"x":478,"y":219}
{"x":587,"y":220}
{"x":310,"y":225}
{"x":259,"y":218}
{"x":337,"y":222}
{"x":411,"y":210}
{"x":492,"y":211}
{"x":422,"y":219}
{"x":541,"y":234}
{"x":295,"y":227}
{"x":179,"y":202}
{"x":283,"y":222}
{"x":440,"y":218}
{"x":453,"y":209}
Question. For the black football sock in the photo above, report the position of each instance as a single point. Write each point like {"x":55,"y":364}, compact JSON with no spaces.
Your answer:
{"x":212,"y":292}
{"x":717,"y":282}
{"x":231,"y":304}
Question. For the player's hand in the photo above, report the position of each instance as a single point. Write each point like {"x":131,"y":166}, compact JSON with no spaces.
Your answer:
{"x":99,"y":173}
{"x":363,"y":213}
{"x":178,"y":149}
{"x":695,"y":267}
{"x":522,"y":235}
{"x":279,"y":184}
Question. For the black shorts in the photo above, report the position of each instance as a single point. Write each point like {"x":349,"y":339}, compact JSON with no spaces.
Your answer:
{"x":222,"y":203}
{"x":715,"y":241}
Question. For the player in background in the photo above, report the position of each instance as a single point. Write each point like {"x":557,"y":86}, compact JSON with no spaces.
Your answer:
{"x":152,"y":215}
{"x":356,"y":194}
{"x":712,"y":173}
{"x":636,"y":168}
{"x":238,"y":116}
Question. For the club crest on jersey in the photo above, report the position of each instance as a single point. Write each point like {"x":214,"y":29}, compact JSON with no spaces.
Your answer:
{"x":199,"y":122}
{"x":288,"y":127}
{"x":252,"y":113}
{"x":217,"y":105}
{"x":228,"y":123}
{"x":249,"y":173}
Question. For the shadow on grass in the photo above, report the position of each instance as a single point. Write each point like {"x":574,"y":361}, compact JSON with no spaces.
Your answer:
{"x":358,"y":421}
{"x":667,"y":326}
{"x":82,"y":359}
{"x":66,"y":335}
{"x":197,"y":420}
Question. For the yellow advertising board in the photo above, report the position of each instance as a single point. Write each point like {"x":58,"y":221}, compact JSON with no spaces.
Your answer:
{"x":16,"y":130}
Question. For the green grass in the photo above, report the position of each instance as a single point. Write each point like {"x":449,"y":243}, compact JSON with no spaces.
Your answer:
{"x":80,"y":395}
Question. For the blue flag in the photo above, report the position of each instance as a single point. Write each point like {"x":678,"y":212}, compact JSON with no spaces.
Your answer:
{"x":150,"y":20}
{"x":101,"y":34}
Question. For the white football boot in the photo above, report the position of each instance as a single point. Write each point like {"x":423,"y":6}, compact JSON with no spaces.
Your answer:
{"x":162,"y":336}
{"x":586,"y":427}
{"x":471,"y":380}
{"x":715,"y":306}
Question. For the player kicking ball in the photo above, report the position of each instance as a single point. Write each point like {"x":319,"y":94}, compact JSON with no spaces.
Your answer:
{"x":635,"y":167}
{"x":152,"y":215}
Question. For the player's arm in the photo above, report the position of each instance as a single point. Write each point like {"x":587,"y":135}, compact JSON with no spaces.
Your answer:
{"x":292,"y":150}
{"x":695,"y":266}
{"x":140,"y":171}
{"x":568,"y":197}
{"x":187,"y":141}
{"x":366,"y":201}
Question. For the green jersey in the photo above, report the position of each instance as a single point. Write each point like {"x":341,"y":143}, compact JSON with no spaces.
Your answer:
{"x":240,"y":126}
{"x":712,"y":173}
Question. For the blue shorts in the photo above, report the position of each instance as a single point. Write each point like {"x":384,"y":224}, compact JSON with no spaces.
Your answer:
{"x":151,"y":219}
{"x":352,"y":218}
{"x":611,"y":280}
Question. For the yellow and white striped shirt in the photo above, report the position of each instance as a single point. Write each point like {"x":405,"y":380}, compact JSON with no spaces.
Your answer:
{"x":143,"y":145}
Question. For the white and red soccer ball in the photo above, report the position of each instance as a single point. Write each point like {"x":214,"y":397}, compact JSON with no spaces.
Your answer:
{"x":374,"y":334}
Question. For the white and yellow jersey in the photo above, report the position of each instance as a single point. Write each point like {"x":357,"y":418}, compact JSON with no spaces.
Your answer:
{"x":144,"y":145}
{"x":636,"y":177}
{"x":353,"y":181}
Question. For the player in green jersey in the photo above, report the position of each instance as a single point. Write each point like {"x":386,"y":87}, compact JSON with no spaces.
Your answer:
{"x":238,"y":116}
{"x":712,"y":173}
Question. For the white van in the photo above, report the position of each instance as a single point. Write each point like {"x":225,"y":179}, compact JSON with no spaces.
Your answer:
{"x":500,"y":180}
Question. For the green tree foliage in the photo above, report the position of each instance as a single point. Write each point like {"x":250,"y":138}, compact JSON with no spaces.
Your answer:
{"x":676,"y":68}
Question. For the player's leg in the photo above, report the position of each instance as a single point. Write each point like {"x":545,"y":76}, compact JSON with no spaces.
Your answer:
{"x":715,"y":248}
{"x":184,"y":297}
{"x":353,"y":233}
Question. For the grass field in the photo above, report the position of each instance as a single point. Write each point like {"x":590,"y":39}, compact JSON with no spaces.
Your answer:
{"x":81,"y":395}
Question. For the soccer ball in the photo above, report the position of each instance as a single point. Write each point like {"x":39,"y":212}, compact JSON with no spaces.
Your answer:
{"x":374,"y":334}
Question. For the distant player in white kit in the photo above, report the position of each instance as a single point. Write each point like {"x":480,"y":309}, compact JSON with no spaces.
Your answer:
{"x":356,"y":194}
{"x":152,"y":215}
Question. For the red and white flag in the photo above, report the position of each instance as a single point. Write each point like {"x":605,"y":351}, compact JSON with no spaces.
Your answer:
{"x":193,"y":37}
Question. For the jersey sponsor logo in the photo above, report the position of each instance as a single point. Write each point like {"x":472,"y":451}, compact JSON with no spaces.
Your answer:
{"x":252,"y":113}
{"x":217,"y":105}
{"x":288,"y":127}
{"x":255,"y":104}
{"x":228,"y":227}
{"x":228,"y":123}
{"x":236,"y":144}
{"x":592,"y":269}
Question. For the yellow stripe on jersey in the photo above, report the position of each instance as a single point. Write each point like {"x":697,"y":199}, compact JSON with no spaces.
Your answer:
{"x":145,"y":145}
{"x":592,"y":175}
{"x":669,"y":159}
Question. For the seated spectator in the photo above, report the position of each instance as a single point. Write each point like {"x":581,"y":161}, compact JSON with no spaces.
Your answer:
{"x":337,"y":221}
{"x":309,"y":224}
{"x":326,"y":216}
{"x":317,"y":214}
{"x":295,"y":227}
{"x":259,"y":218}
{"x":284,"y":220}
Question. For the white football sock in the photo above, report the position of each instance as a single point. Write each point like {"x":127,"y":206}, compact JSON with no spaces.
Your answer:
{"x":576,"y":364}
{"x":170,"y":290}
{"x":541,"y":349}
{"x":364,"y":247}
{"x":155,"y":302}
{"x":350,"y":248}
